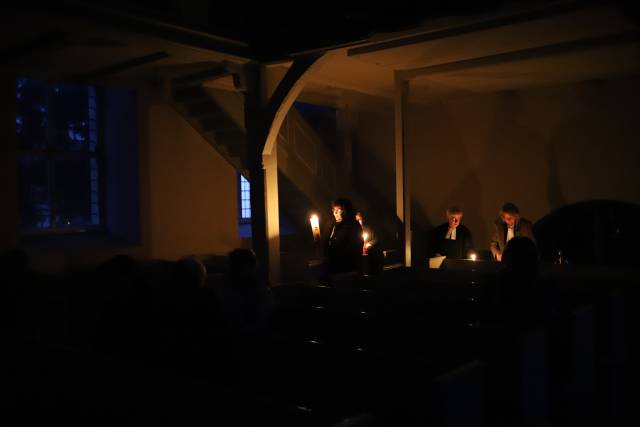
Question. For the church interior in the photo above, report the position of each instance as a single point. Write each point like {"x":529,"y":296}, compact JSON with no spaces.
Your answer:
{"x":170,"y":175}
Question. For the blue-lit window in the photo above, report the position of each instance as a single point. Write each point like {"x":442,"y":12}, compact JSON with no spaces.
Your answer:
{"x":245,"y":200}
{"x":59,"y":156}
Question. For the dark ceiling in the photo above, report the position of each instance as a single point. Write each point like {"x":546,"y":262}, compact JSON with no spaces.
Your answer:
{"x":274,"y":30}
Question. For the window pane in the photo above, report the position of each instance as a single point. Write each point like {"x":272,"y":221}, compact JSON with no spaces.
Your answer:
{"x":72,"y":190}
{"x":245,"y":199}
{"x":31,"y":114}
{"x":35,"y":207}
{"x":59,"y":181}
{"x":69,"y":116}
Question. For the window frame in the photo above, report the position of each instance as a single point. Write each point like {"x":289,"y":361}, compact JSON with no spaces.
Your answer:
{"x":242,"y":219}
{"x":50,"y":155}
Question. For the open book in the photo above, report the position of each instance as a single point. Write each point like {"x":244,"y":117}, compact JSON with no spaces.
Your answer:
{"x":436,"y":261}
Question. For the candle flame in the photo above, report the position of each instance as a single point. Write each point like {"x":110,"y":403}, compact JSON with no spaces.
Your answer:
{"x":315,"y":227}
{"x":315,"y":223}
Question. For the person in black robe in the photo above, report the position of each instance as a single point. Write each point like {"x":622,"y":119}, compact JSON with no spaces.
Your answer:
{"x":451,"y":239}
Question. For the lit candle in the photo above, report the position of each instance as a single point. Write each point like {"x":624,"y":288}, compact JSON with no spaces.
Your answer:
{"x":365,"y":237}
{"x":315,"y":227}
{"x":473,"y":257}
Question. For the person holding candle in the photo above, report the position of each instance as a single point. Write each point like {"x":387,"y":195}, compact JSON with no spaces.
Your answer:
{"x":343,"y":249}
{"x":372,"y":256}
{"x":368,"y":236}
{"x":451,"y":239}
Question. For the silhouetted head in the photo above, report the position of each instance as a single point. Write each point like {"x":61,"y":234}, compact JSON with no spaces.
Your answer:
{"x":243,"y":264}
{"x":121,"y":270}
{"x":342,"y":209}
{"x":521,"y":257}
{"x":510,"y":214}
{"x":120,"y":264}
{"x":192,"y":272}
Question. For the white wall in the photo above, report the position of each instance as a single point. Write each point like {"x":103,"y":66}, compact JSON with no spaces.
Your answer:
{"x":539,"y":148}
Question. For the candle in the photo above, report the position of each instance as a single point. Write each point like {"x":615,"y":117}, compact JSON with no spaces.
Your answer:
{"x":366,"y":243}
{"x":473,"y":257}
{"x":315,"y":227}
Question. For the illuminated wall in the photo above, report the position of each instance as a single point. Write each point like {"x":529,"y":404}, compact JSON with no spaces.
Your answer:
{"x":193,"y":191}
{"x":539,"y":148}
{"x":187,"y":195}
{"x":374,"y":165}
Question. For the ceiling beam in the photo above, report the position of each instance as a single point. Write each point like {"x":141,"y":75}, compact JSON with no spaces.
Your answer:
{"x":147,"y":26}
{"x":487,"y":24}
{"x":212,"y":73}
{"x":119,"y":67}
{"x":524,"y":54}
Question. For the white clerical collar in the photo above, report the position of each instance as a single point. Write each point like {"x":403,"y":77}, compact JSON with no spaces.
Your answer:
{"x":451,"y":234}
{"x":510,"y":234}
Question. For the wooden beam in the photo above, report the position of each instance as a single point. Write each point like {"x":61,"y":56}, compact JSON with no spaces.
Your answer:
{"x":524,"y":54}
{"x":149,"y":27}
{"x":287,"y":92}
{"x":487,"y":24}
{"x":122,"y":66}
{"x":253,"y":105}
{"x":275,"y":111}
{"x":216,"y":71}
{"x":212,"y":73}
{"x":263,"y":120}
{"x":403,"y":194}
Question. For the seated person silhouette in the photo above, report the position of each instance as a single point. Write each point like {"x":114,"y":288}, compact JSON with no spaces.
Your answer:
{"x":520,"y":298}
{"x":517,"y":313}
{"x":451,"y":239}
{"x":245,"y":298}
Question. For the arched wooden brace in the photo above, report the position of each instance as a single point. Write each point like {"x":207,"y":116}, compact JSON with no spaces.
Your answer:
{"x":263,"y":120}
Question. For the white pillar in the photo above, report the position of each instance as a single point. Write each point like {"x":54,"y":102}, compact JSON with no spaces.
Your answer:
{"x":272,"y":213}
{"x":276,"y":109}
{"x":403,"y":195}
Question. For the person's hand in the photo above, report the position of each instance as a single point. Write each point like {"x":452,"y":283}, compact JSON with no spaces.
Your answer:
{"x":499,"y":256}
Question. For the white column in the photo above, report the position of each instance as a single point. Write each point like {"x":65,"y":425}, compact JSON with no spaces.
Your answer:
{"x":272,"y":213}
{"x":403,"y":195}
{"x":278,"y":105}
